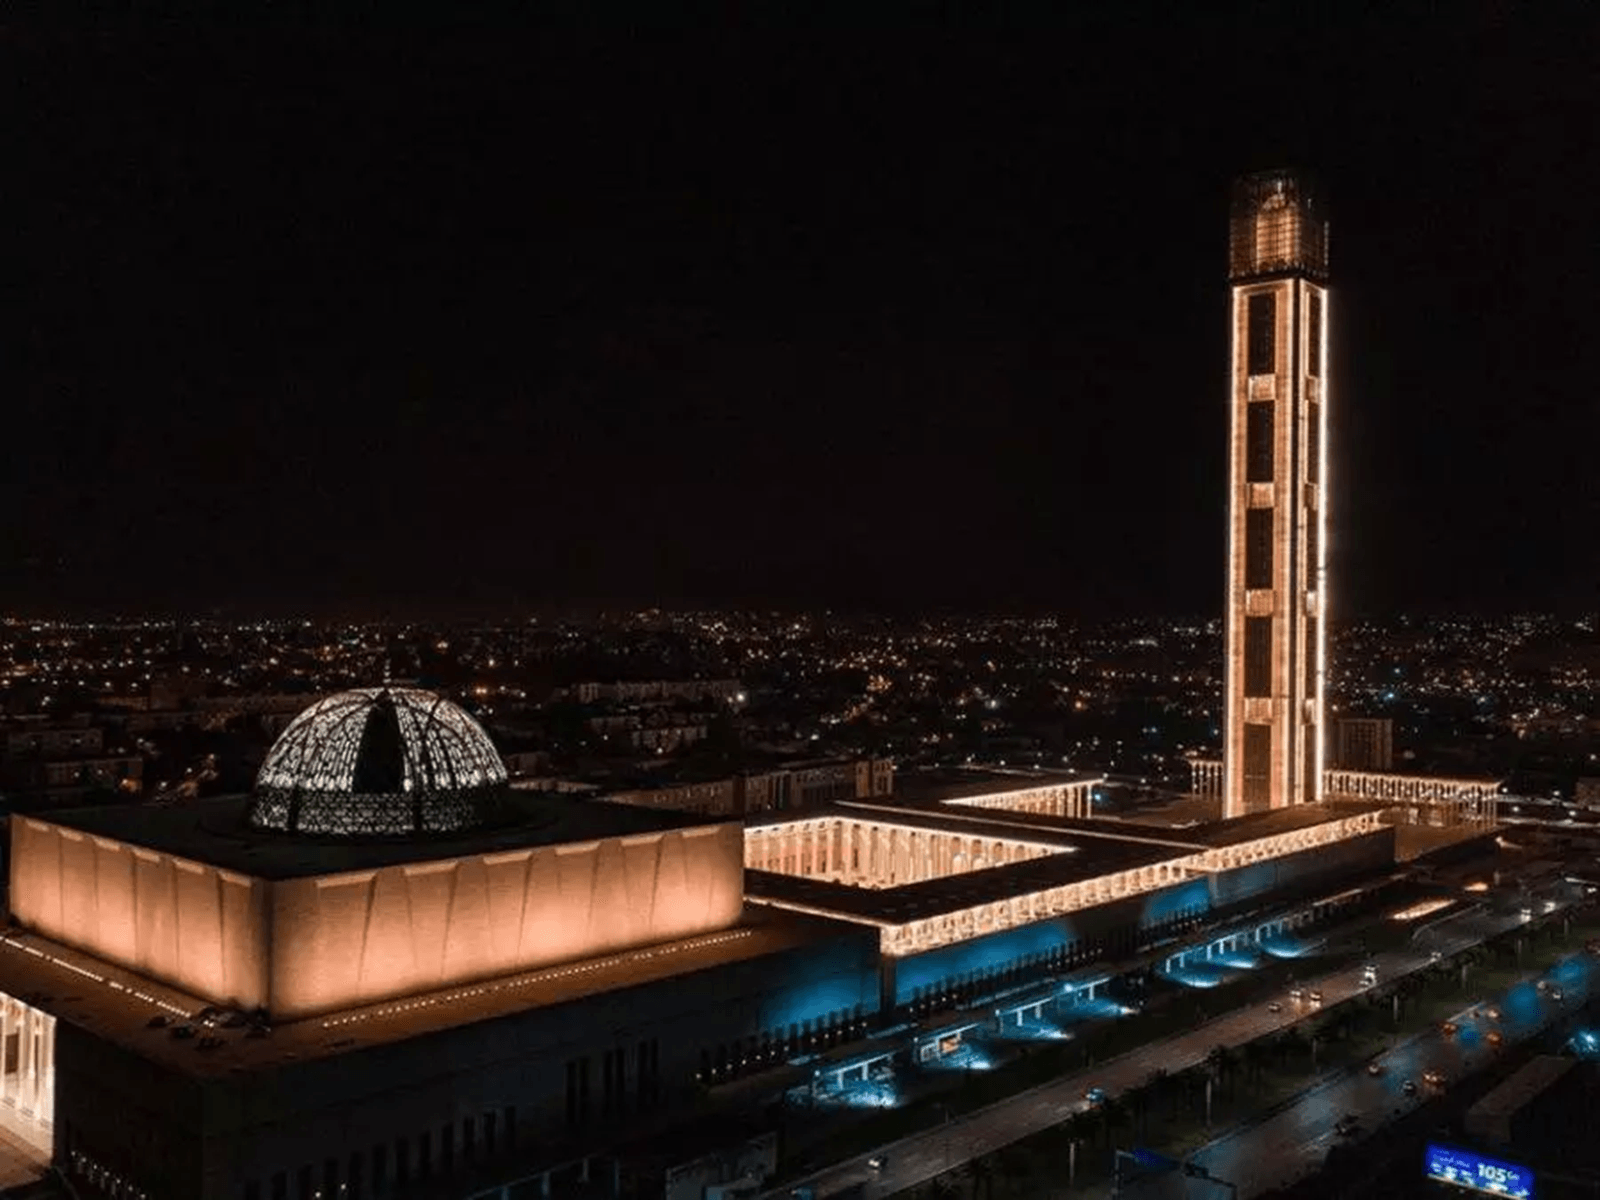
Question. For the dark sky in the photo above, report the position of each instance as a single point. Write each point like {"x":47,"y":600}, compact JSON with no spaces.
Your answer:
{"x":918,"y":316}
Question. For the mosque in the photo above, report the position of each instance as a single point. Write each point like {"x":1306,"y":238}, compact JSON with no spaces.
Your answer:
{"x":383,"y":971}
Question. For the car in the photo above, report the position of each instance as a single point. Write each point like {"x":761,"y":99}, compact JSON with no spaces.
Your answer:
{"x":1435,"y":1078}
{"x":1556,"y":995}
{"x":1409,"y":1087}
{"x":1492,"y":1013}
{"x":1494,"y":1037}
{"x":1275,"y":1007}
{"x":1296,"y":994}
{"x":1375,"y":1067}
{"x":877,"y":1163}
{"x":1449,"y":1028}
{"x":1347,"y":1125}
{"x":1314,"y":997}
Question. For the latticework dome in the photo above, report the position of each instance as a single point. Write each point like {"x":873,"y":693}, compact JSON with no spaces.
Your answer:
{"x":379,"y":762}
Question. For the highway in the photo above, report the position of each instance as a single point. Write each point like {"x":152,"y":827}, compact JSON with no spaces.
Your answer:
{"x":922,"y":1156}
{"x":1293,"y":1143}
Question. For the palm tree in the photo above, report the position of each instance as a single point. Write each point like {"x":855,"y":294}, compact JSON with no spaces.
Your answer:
{"x":1228,"y":1062}
{"x":1256,"y":1054}
{"x":1158,"y":1084}
{"x":1116,"y":1117}
{"x":983,"y":1176}
{"x":1139,"y":1102}
{"x":1293,"y":1042}
{"x":1012,"y":1163}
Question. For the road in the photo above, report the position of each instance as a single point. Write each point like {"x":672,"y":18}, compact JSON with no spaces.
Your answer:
{"x":1293,"y":1143}
{"x":922,"y":1156}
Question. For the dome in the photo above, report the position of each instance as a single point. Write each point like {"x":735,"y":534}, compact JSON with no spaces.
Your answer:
{"x":379,"y":762}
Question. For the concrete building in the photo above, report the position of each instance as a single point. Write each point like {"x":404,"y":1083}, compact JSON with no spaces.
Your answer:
{"x":1276,"y":627}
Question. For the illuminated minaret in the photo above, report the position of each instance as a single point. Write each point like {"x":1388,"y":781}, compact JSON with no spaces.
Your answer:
{"x":1277,"y":509}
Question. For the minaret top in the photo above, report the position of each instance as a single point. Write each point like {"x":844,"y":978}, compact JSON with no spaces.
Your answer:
{"x":1276,"y":226}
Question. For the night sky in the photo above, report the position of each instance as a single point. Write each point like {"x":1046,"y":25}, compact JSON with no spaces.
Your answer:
{"x":917,"y":317}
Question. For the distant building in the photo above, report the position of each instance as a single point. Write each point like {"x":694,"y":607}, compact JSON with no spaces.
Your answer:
{"x":653,"y":691}
{"x":1363,"y":744}
{"x":1276,"y":632}
{"x":807,"y":784}
{"x":40,"y":739}
{"x":52,"y":765}
{"x":659,"y":730}
{"x":798,"y":785}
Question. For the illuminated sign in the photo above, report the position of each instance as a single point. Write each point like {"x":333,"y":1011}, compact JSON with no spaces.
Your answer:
{"x":1469,"y":1170}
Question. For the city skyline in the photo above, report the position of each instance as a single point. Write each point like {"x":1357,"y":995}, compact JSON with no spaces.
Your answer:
{"x":580,"y":325}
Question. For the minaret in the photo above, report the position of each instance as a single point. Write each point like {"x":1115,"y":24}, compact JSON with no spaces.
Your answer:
{"x":1277,"y":506}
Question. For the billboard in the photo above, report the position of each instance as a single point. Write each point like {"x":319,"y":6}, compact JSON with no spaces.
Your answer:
{"x":1468,"y":1169}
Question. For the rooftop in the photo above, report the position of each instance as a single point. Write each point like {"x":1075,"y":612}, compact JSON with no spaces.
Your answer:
{"x":940,"y":785}
{"x":215,"y":832}
{"x":1087,"y":858}
{"x":119,"y":1005}
{"x":1086,"y":849}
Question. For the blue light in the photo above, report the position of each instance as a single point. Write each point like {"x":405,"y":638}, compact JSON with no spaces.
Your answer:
{"x":1197,"y":975}
{"x":979,"y":956}
{"x":1464,"y":1168}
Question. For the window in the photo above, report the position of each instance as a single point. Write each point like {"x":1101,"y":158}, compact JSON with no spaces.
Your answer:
{"x":280,"y":1186}
{"x":1314,"y":443}
{"x":1258,"y":656}
{"x":380,"y":1168}
{"x":330,"y":1178}
{"x":304,"y":1185}
{"x":1261,"y":336}
{"x":1257,"y":767}
{"x":508,"y":1119}
{"x":469,"y":1143}
{"x":1258,"y":548}
{"x":402,"y":1160}
{"x":1314,"y":335}
{"x":1258,"y":448}
{"x":424,"y":1154}
{"x":1311,"y":550}
{"x":356,"y":1163}
{"x":1311,"y":658}
{"x":489,"y":1132}
{"x":447,"y":1147}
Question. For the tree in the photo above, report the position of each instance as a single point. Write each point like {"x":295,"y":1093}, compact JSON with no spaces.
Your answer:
{"x":1139,"y":1101}
{"x":1117,"y":1117}
{"x":1256,"y":1055}
{"x":1294,"y":1043}
{"x":1012,"y":1163}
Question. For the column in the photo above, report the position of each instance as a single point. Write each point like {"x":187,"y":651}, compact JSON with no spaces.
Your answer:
{"x":7,"y":1027}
